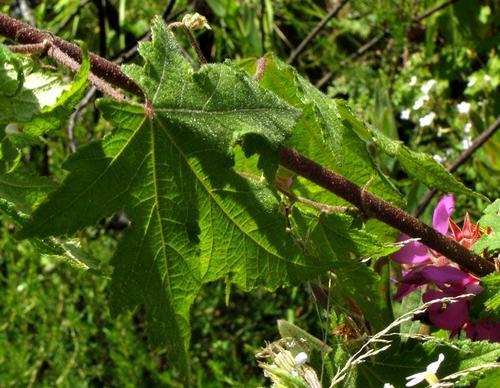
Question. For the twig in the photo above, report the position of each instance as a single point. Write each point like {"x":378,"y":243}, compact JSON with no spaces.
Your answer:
{"x":312,"y":34}
{"x":72,"y":118}
{"x":464,"y":156}
{"x":375,"y":207}
{"x":25,"y":34}
{"x":371,"y":43}
{"x":433,"y":10}
{"x":365,"y":201}
{"x":323,"y":207}
{"x":192,"y":41}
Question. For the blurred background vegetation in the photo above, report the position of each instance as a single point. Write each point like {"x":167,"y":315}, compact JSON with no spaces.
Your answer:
{"x":423,"y":71}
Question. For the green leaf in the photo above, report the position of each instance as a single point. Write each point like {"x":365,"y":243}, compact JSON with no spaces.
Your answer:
{"x":322,"y":134}
{"x":11,"y":79}
{"x":418,"y":165}
{"x":33,"y":102}
{"x":26,"y":191}
{"x":19,"y":194}
{"x":169,"y":167}
{"x":401,"y":361}
{"x":487,"y":304}
{"x":289,"y":330}
{"x":52,"y":116}
{"x":340,"y":237}
{"x":491,"y":218}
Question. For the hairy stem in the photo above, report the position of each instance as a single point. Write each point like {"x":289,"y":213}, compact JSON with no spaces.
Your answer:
{"x":377,"y":208}
{"x":24,"y":34}
{"x":369,"y":204}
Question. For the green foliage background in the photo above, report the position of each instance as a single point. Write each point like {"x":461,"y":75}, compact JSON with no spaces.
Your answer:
{"x":57,"y":328}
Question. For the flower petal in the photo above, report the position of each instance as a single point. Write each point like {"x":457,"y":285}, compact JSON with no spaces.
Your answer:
{"x":449,"y":317}
{"x":442,"y":213}
{"x":483,"y":331}
{"x":412,"y":253}
{"x":405,"y":289}
{"x":434,"y":366}
{"x":415,"y":379}
{"x":447,"y":277}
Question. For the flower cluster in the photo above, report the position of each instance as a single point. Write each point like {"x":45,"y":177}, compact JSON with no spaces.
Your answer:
{"x":445,"y":279}
{"x":426,"y":88}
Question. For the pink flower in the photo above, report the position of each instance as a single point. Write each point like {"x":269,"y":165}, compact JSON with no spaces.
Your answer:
{"x":417,"y":253}
{"x":483,"y":331}
{"x":445,"y":277}
{"x":450,"y":316}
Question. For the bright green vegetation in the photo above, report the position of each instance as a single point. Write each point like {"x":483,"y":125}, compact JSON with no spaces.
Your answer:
{"x":166,"y":227}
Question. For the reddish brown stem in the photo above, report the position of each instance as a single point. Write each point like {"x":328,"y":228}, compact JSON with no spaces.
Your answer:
{"x":25,"y":34}
{"x":375,"y":207}
{"x":371,"y":205}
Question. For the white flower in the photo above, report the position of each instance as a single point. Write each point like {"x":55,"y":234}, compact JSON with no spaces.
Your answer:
{"x":21,"y":287}
{"x":300,"y":358}
{"x":426,"y":88}
{"x":388,"y":385}
{"x":438,"y":158}
{"x":420,"y":102}
{"x":195,"y":21}
{"x":467,"y":127}
{"x":405,"y":114}
{"x":463,"y":107}
{"x":427,"y":119}
{"x":487,"y":78}
{"x":472,"y":81}
{"x":466,"y":142}
{"x":413,"y":81}
{"x":429,"y":375}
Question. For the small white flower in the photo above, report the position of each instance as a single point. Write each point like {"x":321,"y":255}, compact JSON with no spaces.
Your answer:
{"x":11,"y":129}
{"x":426,"y":88}
{"x":405,"y":114}
{"x":438,"y":158}
{"x":21,"y":287}
{"x":487,"y":78}
{"x":467,"y":127}
{"x":420,"y":102}
{"x":413,"y":81}
{"x":429,"y":375}
{"x":300,"y":358}
{"x":388,"y":385}
{"x":195,"y":21}
{"x":472,"y":81}
{"x":427,"y":119}
{"x":463,"y":107}
{"x":466,"y":142}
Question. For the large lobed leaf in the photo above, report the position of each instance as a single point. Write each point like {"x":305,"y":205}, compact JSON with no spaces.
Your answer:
{"x":322,"y":134}
{"x":169,"y":167}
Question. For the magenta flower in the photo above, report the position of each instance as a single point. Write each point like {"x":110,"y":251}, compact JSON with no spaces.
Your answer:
{"x":483,"y":331}
{"x":444,"y":278}
{"x":417,"y":253}
{"x":450,"y":316}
